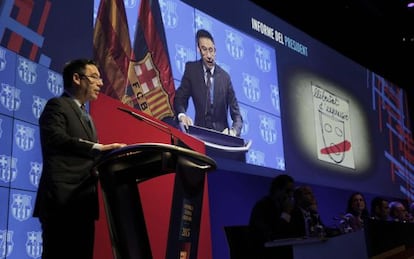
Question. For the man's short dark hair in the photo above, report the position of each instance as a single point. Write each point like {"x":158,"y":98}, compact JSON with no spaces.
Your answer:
{"x":280,"y":182}
{"x":377,"y":202}
{"x":203,"y":34}
{"x":75,"y":66}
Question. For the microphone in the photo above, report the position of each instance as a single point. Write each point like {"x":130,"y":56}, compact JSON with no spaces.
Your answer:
{"x":151,"y":122}
{"x":136,"y":115}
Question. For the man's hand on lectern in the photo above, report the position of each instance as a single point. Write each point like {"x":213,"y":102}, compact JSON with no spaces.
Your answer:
{"x":185,"y":120}
{"x":231,"y":132}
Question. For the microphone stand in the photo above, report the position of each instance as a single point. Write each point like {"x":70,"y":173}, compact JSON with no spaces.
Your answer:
{"x":152,"y":123}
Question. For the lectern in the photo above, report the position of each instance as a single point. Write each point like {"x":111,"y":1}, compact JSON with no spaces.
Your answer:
{"x":219,"y":144}
{"x":121,"y":170}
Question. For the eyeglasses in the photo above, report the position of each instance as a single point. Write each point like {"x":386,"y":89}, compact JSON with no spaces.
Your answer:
{"x":94,"y":77}
{"x":209,"y":50}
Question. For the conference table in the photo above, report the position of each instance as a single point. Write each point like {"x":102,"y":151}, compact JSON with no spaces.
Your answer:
{"x":344,"y":246}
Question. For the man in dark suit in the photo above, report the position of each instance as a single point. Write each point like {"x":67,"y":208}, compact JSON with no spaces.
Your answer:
{"x":305,"y":217}
{"x":67,"y":201}
{"x":211,"y":90}
{"x":270,"y":219}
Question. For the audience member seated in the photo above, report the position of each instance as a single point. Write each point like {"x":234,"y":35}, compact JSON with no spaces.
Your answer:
{"x":305,"y":217}
{"x":398,"y":212}
{"x":380,"y":209}
{"x":270,"y":219}
{"x":356,"y":213}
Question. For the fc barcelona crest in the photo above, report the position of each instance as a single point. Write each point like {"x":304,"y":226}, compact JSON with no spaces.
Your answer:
{"x":21,"y":208}
{"x":148,"y":94}
{"x":34,"y":244}
{"x":6,"y":243}
{"x":55,"y":83}
{"x":268,"y":129}
{"x":24,"y":137}
{"x":8,"y":168}
{"x":251,"y":88}
{"x":262,"y":58}
{"x":27,"y":71}
{"x":10,"y":97}
{"x":35,"y":173}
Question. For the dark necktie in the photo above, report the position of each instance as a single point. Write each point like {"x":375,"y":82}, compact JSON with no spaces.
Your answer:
{"x":85,"y":113}
{"x":88,"y":119}
{"x":209,"y":101}
{"x":208,"y":83}
{"x":83,"y":108}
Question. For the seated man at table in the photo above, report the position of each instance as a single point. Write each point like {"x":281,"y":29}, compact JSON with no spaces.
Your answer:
{"x":380,"y":209}
{"x":398,"y":212}
{"x":270,"y":219}
{"x":305,"y":218}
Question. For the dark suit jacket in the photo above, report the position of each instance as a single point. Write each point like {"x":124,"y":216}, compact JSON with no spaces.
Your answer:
{"x":265,"y":225}
{"x":266,"y":221}
{"x":299,"y":225}
{"x":224,"y":100}
{"x":67,"y":187}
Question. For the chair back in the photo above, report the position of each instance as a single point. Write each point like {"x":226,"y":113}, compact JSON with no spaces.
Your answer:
{"x":238,"y":241}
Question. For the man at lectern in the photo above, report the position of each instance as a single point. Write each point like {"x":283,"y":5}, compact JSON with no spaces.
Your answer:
{"x":67,"y":200}
{"x":211,"y":90}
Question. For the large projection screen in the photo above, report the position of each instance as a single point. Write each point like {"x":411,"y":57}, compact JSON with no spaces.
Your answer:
{"x":309,"y":111}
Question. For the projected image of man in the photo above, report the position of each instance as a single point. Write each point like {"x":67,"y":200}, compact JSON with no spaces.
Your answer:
{"x":211,"y":90}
